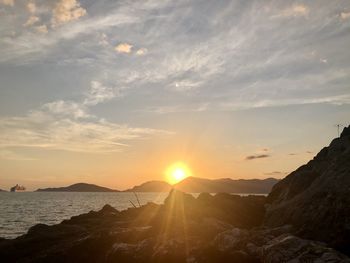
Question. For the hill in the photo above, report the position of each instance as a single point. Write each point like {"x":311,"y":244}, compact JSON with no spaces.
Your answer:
{"x":151,"y":186}
{"x":315,"y":198}
{"x":79,"y":187}
{"x":226,"y":185}
{"x":190,"y":185}
{"x":2,"y":190}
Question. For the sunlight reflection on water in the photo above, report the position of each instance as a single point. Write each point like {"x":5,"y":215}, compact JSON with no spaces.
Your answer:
{"x":19,"y":211}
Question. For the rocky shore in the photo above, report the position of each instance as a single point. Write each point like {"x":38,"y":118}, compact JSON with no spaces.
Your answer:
{"x":305,"y":218}
{"x":220,"y":228}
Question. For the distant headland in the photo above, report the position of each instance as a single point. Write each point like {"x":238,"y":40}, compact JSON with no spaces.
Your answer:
{"x":189,"y":184}
{"x":79,"y":187}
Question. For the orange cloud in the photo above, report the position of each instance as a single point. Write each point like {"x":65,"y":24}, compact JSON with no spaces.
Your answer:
{"x":7,"y":2}
{"x":65,"y":11}
{"x":294,"y":11}
{"x":345,"y":15}
{"x":31,"y":7}
{"x":123,"y":48}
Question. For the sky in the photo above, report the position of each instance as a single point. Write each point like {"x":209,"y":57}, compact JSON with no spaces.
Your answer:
{"x":114,"y":92}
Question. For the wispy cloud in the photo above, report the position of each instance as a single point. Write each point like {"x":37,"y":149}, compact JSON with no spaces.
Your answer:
{"x":99,"y":93}
{"x":31,"y":21}
{"x":293,"y":11}
{"x":257,"y":156}
{"x":67,"y":125}
{"x":13,"y":156}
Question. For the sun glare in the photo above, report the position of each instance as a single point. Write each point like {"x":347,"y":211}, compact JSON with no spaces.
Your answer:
{"x":177,"y":172}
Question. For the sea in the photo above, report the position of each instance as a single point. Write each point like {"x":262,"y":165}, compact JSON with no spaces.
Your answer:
{"x":21,"y":210}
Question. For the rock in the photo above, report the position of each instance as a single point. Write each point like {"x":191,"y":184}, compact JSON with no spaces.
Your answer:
{"x":315,"y":198}
{"x":170,"y":251}
{"x":230,"y":239}
{"x":288,"y":248}
{"x":131,"y":253}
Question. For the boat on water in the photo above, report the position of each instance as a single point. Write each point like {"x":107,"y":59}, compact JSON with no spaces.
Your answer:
{"x":17,"y":188}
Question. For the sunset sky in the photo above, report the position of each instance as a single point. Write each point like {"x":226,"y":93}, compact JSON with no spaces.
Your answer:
{"x":115,"y":92}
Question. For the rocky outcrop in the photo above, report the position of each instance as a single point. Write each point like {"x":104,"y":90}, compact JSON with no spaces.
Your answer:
{"x":315,"y":198}
{"x":152,"y":233}
{"x":207,"y":229}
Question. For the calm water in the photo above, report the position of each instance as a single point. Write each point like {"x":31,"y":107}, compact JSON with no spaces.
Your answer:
{"x":20,"y":211}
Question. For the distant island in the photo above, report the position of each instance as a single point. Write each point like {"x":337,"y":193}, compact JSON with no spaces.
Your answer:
{"x":151,"y":186}
{"x":79,"y":187}
{"x":190,"y":185}
{"x":226,"y":185}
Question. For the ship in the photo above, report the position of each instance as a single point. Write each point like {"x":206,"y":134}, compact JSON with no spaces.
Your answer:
{"x":17,"y":188}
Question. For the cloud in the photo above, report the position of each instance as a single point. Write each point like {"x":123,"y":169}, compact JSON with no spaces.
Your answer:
{"x":332,"y":100}
{"x":123,"y":48}
{"x":257,"y":156}
{"x":44,"y":130}
{"x":7,"y":2}
{"x":292,"y":154}
{"x":67,"y":125}
{"x":66,"y":108}
{"x":293,"y":11}
{"x":345,"y":15}
{"x":41,"y":29}
{"x":185,"y":85}
{"x":31,"y":7}
{"x":66,"y":11}
{"x":141,"y":51}
{"x":10,"y":155}
{"x":31,"y":21}
{"x":99,"y":93}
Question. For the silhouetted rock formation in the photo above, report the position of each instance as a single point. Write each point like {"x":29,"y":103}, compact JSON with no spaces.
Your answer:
{"x":315,"y":198}
{"x":226,"y":185}
{"x":184,"y":229}
{"x":79,"y":187}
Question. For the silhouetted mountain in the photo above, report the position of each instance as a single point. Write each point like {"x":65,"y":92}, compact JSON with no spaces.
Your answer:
{"x":79,"y":187}
{"x":190,"y":185}
{"x":315,"y":198}
{"x":2,"y":190}
{"x":151,"y":186}
{"x":226,"y":185}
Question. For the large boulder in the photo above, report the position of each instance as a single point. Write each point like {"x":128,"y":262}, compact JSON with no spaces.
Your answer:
{"x":315,"y":198}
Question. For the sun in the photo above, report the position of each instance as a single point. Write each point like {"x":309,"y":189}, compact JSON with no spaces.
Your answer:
{"x":177,"y":172}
